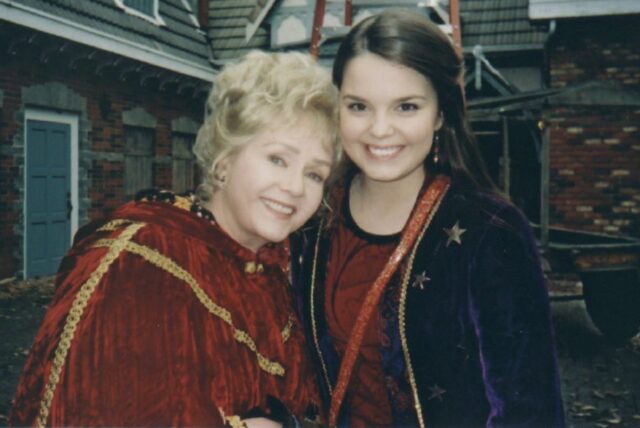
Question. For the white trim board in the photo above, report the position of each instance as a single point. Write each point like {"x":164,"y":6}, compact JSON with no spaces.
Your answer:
{"x":156,"y":19}
{"x":550,"y":9}
{"x":192,"y":16}
{"x":72,"y":121}
{"x":70,"y":30}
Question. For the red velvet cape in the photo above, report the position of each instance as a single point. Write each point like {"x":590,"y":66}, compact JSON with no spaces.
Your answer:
{"x":159,"y":318}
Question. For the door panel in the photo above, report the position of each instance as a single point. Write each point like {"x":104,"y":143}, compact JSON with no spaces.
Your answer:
{"x":48,"y":187}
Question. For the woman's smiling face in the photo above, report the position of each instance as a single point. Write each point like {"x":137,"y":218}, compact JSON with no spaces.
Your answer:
{"x":274,"y":184}
{"x":388,"y":116}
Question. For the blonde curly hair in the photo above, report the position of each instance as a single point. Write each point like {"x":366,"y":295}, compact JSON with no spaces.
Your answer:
{"x":262,"y":90}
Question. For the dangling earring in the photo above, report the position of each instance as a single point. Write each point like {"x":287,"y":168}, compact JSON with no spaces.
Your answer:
{"x":436,"y":149}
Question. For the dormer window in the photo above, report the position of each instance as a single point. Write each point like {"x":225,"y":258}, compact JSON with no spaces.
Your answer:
{"x":145,"y":9}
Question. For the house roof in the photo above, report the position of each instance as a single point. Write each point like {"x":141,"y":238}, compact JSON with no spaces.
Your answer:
{"x":228,"y":22}
{"x":178,"y":45}
{"x":500,"y":25}
{"x":497,"y":25}
{"x":237,"y":26}
{"x":590,"y":93}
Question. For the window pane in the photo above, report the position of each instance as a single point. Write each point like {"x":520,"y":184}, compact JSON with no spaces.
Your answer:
{"x":183,"y":175}
{"x":182,"y":145}
{"x":183,"y":163}
{"x":138,"y":141}
{"x":138,"y":174}
{"x":138,"y":160}
{"x":144,"y":6}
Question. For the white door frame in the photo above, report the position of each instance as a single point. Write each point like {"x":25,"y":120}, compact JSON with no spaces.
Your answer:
{"x":72,"y":121}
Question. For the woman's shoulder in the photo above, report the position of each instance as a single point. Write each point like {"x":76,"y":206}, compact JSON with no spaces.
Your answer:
{"x":485,"y":210}
{"x":166,"y":226}
{"x":300,"y":240}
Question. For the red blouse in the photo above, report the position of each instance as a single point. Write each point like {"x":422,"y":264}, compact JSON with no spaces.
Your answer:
{"x":355,"y":261}
{"x":160,"y":319}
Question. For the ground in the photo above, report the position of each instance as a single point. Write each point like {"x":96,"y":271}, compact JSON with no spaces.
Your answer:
{"x":22,"y":306}
{"x":600,"y":380}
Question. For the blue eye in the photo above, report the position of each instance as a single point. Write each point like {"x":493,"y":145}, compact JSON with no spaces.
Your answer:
{"x":277,"y":160}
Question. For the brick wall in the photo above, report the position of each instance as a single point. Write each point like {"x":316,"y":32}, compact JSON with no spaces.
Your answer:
{"x":595,"y":169}
{"x":595,"y":150}
{"x":104,"y":98}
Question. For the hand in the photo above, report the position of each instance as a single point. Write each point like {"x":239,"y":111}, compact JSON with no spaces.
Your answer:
{"x":261,"y":423}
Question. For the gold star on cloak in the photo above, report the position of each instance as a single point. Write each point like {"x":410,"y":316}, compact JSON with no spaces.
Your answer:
{"x":454,"y":233}
{"x":436,"y":392}
{"x":420,"y":279}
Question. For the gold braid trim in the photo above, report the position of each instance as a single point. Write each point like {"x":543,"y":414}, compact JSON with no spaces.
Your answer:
{"x":402,"y":311}
{"x":168,"y":265}
{"x":314,"y":328}
{"x":235,"y":421}
{"x":114,"y":224}
{"x":286,"y":331}
{"x":183,"y":202}
{"x":75,"y":313}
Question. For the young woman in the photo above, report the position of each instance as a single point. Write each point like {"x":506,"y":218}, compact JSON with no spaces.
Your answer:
{"x":422,"y":291}
{"x":176,"y":311}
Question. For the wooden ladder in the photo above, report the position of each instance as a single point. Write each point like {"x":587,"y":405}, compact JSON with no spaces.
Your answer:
{"x":452,"y":21}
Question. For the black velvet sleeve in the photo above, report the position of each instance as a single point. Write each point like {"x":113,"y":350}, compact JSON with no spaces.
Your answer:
{"x":510,"y":312}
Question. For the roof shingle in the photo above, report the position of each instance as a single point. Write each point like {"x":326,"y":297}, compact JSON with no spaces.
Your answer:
{"x":499,"y":23}
{"x":179,"y":37}
{"x":228,"y":20}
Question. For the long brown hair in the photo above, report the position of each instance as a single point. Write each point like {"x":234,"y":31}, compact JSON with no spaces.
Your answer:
{"x":414,"y":41}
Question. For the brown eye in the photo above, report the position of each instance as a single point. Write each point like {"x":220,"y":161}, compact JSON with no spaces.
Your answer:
{"x":408,"y":107}
{"x":315,"y":177}
{"x":356,"y":107}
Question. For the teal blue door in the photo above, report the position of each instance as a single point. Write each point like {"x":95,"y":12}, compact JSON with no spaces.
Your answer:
{"x":48,"y":204}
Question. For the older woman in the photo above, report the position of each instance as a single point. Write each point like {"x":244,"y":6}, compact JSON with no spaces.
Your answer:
{"x":176,"y":311}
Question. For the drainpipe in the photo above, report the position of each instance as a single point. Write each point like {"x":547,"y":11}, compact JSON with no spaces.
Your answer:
{"x":544,"y":185}
{"x":506,"y":157}
{"x":545,"y":54}
{"x":477,"y":59}
{"x":545,"y":160}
